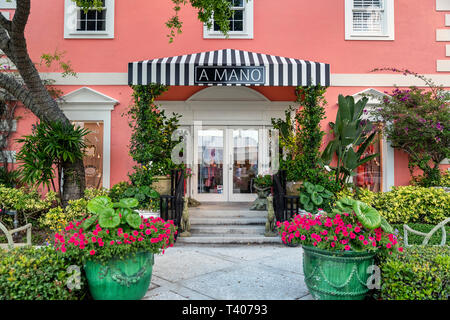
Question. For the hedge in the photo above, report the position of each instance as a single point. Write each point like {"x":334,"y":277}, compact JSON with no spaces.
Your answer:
{"x":37,"y":274}
{"x":408,"y":204}
{"x":419,"y":273}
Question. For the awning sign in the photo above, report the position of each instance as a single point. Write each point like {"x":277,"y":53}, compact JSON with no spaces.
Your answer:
{"x":248,"y":75}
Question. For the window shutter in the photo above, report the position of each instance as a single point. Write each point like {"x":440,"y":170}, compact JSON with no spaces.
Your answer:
{"x":368,"y":16}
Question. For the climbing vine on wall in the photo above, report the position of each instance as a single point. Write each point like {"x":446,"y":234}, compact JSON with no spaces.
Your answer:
{"x":151,"y":144}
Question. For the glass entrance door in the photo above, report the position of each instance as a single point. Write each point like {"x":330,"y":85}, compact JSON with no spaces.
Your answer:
{"x":228,"y":159}
{"x":244,"y":163}
{"x":209,"y":150}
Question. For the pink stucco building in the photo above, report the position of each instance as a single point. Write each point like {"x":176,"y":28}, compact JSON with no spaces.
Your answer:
{"x":274,"y":46}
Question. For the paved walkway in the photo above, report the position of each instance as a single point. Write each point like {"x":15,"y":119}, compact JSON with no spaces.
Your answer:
{"x":257,"y":272}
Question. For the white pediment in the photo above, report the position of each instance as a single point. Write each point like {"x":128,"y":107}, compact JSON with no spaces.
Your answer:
{"x":373,"y":95}
{"x":226,"y":93}
{"x":87,"y":95}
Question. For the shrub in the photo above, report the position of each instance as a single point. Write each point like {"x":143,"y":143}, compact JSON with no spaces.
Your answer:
{"x":37,"y":274}
{"x":28,"y":203}
{"x":117,"y":190}
{"x":409,"y":204}
{"x":420,"y":273}
{"x":313,"y":197}
{"x":56,"y":218}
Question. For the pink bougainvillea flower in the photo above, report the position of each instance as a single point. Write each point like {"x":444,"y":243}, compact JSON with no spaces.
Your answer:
{"x":333,"y":244}
{"x":357,"y":229}
{"x":388,"y":245}
{"x":361,"y":237}
{"x":135,"y":233}
{"x":303,"y":237}
{"x":347,"y":247}
{"x":92,"y":252}
{"x":400,"y":249}
{"x":366,"y":242}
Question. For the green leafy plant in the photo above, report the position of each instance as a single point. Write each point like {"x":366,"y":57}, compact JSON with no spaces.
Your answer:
{"x":148,"y":198}
{"x":263,"y":181}
{"x":300,"y":136}
{"x":418,"y":123}
{"x":151,"y":139}
{"x":117,"y":191}
{"x":313,"y":197}
{"x":38,"y":274}
{"x":420,"y":273}
{"x":47,"y":149}
{"x":350,"y":131}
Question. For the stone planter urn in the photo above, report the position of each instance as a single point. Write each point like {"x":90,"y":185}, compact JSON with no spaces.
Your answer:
{"x":260,"y":203}
{"x":162,"y":185}
{"x":292,"y":188}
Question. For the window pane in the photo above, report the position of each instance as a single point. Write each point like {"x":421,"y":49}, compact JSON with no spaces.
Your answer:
{"x":238,"y":15}
{"x":367,"y":21}
{"x":92,"y":14}
{"x":238,"y":26}
{"x":101,"y":25}
{"x":237,"y":3}
{"x":93,"y":158}
{"x":91,"y":26}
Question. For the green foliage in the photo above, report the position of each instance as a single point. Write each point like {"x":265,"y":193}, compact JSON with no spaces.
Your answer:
{"x":300,"y":139}
{"x":37,"y":274}
{"x":409,"y":204}
{"x":349,"y":131}
{"x":263,"y":181}
{"x":151,"y":140}
{"x":420,"y":273}
{"x":102,"y":209}
{"x":219,"y":9}
{"x":313,"y":197}
{"x":29,"y":204}
{"x":117,"y":190}
{"x":419,"y":125}
{"x":9,"y":178}
{"x":56,"y":218}
{"x":44,"y":151}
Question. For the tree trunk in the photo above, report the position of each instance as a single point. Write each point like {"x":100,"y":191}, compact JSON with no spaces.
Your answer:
{"x":73,"y":181}
{"x":33,"y":93}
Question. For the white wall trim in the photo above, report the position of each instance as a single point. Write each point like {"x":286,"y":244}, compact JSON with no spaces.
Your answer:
{"x":442,"y":5}
{"x":86,"y":104}
{"x":337,"y":79}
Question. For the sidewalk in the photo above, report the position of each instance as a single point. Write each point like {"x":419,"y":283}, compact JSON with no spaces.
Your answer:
{"x":240,"y":272}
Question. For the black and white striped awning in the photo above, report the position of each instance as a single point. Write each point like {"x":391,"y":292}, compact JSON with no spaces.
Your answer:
{"x":229,"y":67}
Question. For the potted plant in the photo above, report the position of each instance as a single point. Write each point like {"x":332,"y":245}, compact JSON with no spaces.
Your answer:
{"x":262,"y":185}
{"x":338,"y":248}
{"x":116,"y":246}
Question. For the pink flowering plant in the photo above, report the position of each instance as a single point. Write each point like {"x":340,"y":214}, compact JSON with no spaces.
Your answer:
{"x":114,"y":230}
{"x":351,"y":226}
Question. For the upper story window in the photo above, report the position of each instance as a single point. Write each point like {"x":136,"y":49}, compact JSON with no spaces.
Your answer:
{"x":241,"y":22}
{"x":369,"y":19}
{"x":5,"y":4}
{"x":93,"y":24}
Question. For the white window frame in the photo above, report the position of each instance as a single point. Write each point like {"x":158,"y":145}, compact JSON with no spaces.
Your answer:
{"x":388,"y":28}
{"x":70,"y":22}
{"x":8,"y":4}
{"x":247,"y":33}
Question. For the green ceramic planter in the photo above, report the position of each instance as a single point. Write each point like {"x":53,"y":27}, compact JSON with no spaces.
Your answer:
{"x":336,"y":276}
{"x":126,"y":279}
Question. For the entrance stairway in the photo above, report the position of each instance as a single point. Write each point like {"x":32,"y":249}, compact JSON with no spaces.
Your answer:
{"x":227,"y":223}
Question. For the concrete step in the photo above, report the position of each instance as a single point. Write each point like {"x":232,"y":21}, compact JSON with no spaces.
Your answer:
{"x":227,"y":214}
{"x":227,"y":221}
{"x":241,"y":239}
{"x":198,"y":230}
